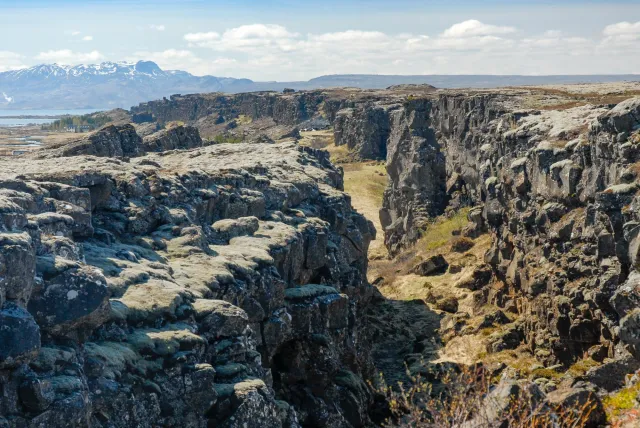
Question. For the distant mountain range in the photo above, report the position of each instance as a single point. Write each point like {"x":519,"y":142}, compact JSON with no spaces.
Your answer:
{"x":121,"y":84}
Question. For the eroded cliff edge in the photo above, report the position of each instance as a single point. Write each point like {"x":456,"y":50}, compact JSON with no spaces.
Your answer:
{"x":557,"y":191}
{"x":217,"y":286}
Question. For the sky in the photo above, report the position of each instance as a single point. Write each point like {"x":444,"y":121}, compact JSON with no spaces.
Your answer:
{"x":288,"y":40}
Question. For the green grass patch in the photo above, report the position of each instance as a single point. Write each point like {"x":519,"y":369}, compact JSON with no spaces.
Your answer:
{"x":580,"y":367}
{"x":545,"y":373}
{"x":227,"y":139}
{"x":621,"y":401}
{"x":438,"y":233}
{"x":243,"y":119}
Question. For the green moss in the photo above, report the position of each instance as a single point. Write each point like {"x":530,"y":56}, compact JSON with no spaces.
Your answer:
{"x":116,"y":357}
{"x":350,"y":381}
{"x":308,"y":291}
{"x":621,"y":401}
{"x":545,"y":373}
{"x":167,"y":341}
{"x":227,"y":139}
{"x":230,"y":370}
{"x":580,"y":367}
{"x":439,"y":233}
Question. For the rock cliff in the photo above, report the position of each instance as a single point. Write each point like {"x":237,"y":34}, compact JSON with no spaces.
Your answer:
{"x":218,"y":286}
{"x":555,"y":188}
{"x":123,"y":141}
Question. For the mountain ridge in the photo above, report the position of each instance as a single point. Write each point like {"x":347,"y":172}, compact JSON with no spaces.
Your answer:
{"x":125,"y":84}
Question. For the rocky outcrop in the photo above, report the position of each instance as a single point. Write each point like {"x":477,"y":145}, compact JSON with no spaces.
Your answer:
{"x":217,"y":286}
{"x":555,"y":188}
{"x":287,"y":109}
{"x":175,"y":137}
{"x":364,"y":130}
{"x":123,"y":141}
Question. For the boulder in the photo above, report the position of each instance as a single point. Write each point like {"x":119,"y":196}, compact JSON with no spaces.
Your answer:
{"x":17,"y":267}
{"x":19,"y":336}
{"x":479,"y":277}
{"x":232,"y":228}
{"x":434,"y":265}
{"x":75,"y":298}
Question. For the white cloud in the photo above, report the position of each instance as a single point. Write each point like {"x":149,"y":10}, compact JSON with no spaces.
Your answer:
{"x":350,"y":36}
{"x":87,"y":38}
{"x":246,"y":38}
{"x":68,"y":57}
{"x":622,"y":28}
{"x":473,"y":27}
{"x":181,"y":59}
{"x":621,"y":38}
{"x":201,"y":37}
{"x":170,"y":59}
{"x":157,"y":27}
{"x":75,"y":33}
{"x":274,"y":52}
{"x":10,"y":61}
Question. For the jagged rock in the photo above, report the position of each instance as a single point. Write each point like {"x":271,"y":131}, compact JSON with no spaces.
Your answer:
{"x":76,"y":297}
{"x":144,"y":306}
{"x":242,"y":226}
{"x":17,"y":267}
{"x":497,"y":407}
{"x":627,"y":296}
{"x":479,"y":277}
{"x":434,"y":265}
{"x":176,"y":137}
{"x":19,"y":335}
{"x":509,"y":337}
{"x":448,"y":304}
{"x":630,"y":331}
{"x":110,"y":141}
{"x":613,"y":374}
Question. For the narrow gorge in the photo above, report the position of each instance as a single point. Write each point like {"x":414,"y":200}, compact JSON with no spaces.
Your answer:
{"x":199,"y":261}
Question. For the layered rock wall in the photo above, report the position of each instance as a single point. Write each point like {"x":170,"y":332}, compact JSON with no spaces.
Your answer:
{"x":555,"y":188}
{"x":288,"y":109}
{"x":219,"y":286}
{"x":123,"y":141}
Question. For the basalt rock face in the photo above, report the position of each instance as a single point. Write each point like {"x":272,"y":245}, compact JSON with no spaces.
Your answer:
{"x":364,"y":130}
{"x":122,"y":141}
{"x":287,"y":109}
{"x":219,"y":286}
{"x":556,"y":190}
{"x":177,"y":137}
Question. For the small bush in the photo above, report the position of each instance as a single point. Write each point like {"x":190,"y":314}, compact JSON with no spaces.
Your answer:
{"x":460,"y":396}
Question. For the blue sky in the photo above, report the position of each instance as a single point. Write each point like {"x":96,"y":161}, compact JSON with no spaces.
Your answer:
{"x":292,"y":40}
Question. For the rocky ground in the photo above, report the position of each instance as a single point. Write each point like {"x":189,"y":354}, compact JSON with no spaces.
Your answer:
{"x":198,"y":263}
{"x":188,"y":288}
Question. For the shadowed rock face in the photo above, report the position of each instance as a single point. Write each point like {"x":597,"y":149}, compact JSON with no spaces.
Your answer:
{"x":557,"y":191}
{"x":218,"y":286}
{"x":122,"y":141}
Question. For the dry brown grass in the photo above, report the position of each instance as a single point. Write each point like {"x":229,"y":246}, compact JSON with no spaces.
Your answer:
{"x":464,"y":395}
{"x":562,"y":99}
{"x":365,"y":183}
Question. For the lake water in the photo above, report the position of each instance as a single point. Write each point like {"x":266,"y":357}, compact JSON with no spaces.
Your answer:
{"x":6,"y":119}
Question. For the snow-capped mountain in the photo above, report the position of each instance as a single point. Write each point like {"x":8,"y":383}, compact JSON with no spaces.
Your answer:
{"x":105,"y":85}
{"x":123,"y":84}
